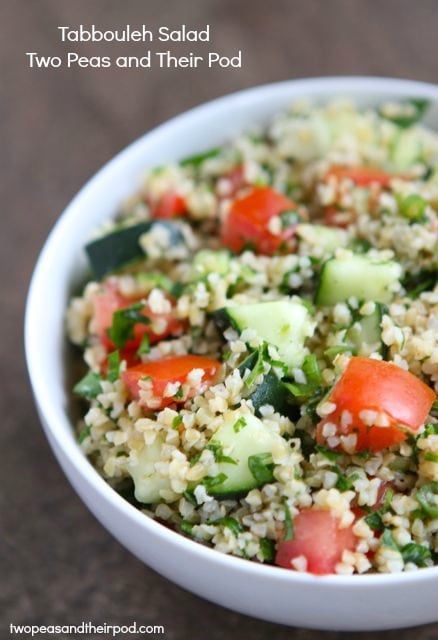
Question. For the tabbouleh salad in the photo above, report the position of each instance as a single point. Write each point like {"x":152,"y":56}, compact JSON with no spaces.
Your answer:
{"x":260,"y":333}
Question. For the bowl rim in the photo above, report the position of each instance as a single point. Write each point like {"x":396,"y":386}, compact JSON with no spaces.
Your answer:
{"x":55,"y":418}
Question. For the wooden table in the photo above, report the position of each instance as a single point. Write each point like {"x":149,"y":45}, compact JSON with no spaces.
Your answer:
{"x":57,"y":564}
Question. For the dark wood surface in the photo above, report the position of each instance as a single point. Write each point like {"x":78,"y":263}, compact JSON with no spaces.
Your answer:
{"x":57,"y":564}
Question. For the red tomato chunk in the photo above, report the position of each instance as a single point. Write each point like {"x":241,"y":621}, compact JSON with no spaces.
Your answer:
{"x":378,"y":402}
{"x":175,"y":369}
{"x":109,"y":300}
{"x":319,"y":538}
{"x":170,"y":205}
{"x":247,"y":223}
{"x":362,"y":176}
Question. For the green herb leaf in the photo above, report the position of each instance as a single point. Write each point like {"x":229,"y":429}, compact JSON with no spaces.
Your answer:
{"x":239,"y":424}
{"x":312,"y":371}
{"x":387,"y":499}
{"x":344,"y":482}
{"x":123,"y":323}
{"x":198,"y":159}
{"x":430,"y":430}
{"x":218,"y":452}
{"x":259,"y":367}
{"x":331,"y":352}
{"x":229,"y":522}
{"x":190,"y":497}
{"x":411,"y":111}
{"x":89,"y":386}
{"x":427,"y":497}
{"x":261,"y":467}
{"x":113,"y":366}
{"x":328,"y":453}
{"x":429,"y":456}
{"x":180,"y":393}
{"x":210,"y":482}
{"x":288,"y":522}
{"x":387,"y":540}
{"x":83,"y":434}
{"x":300,"y":391}
{"x":177,"y":422}
{"x":145,"y":346}
{"x":267,"y":548}
{"x":374,"y":521}
{"x":289,"y":218}
{"x":186,"y":527}
{"x":416,"y":553}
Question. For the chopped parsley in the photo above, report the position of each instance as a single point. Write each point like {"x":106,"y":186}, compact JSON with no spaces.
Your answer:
{"x":312,"y":371}
{"x":180,"y":393}
{"x":239,"y":424}
{"x":258,"y":368}
{"x":416,"y":553}
{"x":210,"y":482}
{"x":427,"y":497}
{"x":288,"y":522}
{"x":113,"y":366}
{"x":328,"y":453}
{"x":123,"y":323}
{"x":387,"y":540}
{"x":374,"y":519}
{"x":177,"y":422}
{"x":289,"y":218}
{"x":186,"y":527}
{"x":83,"y":434}
{"x":262,"y":468}
{"x":198,"y":159}
{"x":267,"y":549}
{"x":331,"y":352}
{"x":89,"y":386}
{"x":344,"y":482}
{"x":229,"y":522}
{"x":406,"y":113}
{"x":218,"y":452}
{"x":190,"y":497}
{"x":145,"y":346}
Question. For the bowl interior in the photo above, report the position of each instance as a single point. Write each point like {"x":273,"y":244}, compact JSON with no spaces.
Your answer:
{"x":61,"y":264}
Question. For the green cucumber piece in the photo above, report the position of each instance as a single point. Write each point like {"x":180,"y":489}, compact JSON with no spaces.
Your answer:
{"x":115,"y":250}
{"x":328,"y":238}
{"x":147,"y":481}
{"x":282,"y":323}
{"x":367,"y":330}
{"x":208,"y":261}
{"x":360,"y":276}
{"x":406,"y":149}
{"x":249,"y":438}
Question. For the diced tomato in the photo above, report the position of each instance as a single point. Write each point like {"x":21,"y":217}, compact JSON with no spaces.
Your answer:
{"x":170,"y":205}
{"x":109,"y":299}
{"x":334,"y":217}
{"x":174,"y":369}
{"x":319,"y":538}
{"x":247,"y":223}
{"x":393,"y":394}
{"x":362,"y":176}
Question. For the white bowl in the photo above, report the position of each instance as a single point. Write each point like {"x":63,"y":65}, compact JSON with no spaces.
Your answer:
{"x":271,"y":593}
